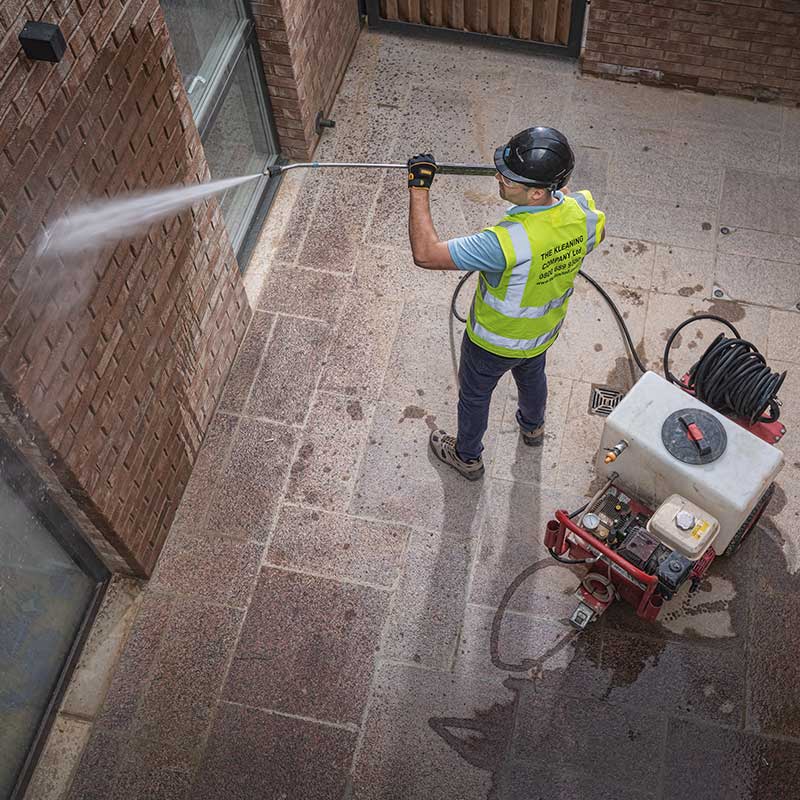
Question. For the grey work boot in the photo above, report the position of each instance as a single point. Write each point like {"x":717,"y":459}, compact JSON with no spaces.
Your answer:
{"x":532,"y":437}
{"x":444,"y":448}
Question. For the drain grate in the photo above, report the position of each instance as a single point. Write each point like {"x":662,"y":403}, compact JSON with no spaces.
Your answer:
{"x":604,"y":400}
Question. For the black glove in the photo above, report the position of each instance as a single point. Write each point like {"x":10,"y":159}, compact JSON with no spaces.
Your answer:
{"x":421,"y":171}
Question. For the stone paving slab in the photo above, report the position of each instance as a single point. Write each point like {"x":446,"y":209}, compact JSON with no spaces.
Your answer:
{"x":790,"y":143}
{"x":685,"y":678}
{"x":324,"y":471}
{"x":661,"y":170}
{"x":327,"y":633}
{"x":187,"y":675}
{"x":511,"y":540}
{"x":575,"y":733}
{"x":774,"y":214}
{"x":280,"y":391}
{"x":698,"y":111}
{"x":245,"y":499}
{"x":690,"y":223}
{"x":314,"y":293}
{"x":420,"y":370}
{"x":428,"y":607}
{"x":514,"y":460}
{"x":333,"y":231}
{"x":218,"y":569}
{"x":338,"y":546}
{"x":494,"y":641}
{"x":782,"y":336}
{"x":247,"y":363}
{"x":416,"y":736}
{"x":402,"y":481}
{"x":523,"y":780}
{"x":627,"y":263}
{"x":207,"y":473}
{"x":360,"y":349}
{"x":130,"y":680}
{"x":681,"y":271}
{"x":720,"y":762}
{"x":254,"y":754}
{"x":589,"y":324}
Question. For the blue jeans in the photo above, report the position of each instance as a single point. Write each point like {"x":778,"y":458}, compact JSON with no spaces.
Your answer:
{"x":478,"y":374}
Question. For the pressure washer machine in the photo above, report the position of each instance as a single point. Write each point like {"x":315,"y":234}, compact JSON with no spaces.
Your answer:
{"x":684,"y":484}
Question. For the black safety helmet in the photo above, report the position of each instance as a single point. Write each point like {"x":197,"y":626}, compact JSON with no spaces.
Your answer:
{"x":538,"y":157}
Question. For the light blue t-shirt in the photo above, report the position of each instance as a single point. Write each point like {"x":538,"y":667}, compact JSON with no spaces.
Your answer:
{"x":482,"y":252}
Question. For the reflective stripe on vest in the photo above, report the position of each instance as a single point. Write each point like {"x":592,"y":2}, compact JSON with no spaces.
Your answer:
{"x":511,"y":344}
{"x":591,"y":221}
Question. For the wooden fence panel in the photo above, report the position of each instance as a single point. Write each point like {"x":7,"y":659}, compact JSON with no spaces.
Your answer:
{"x":564,"y":20}
{"x":547,"y":18}
{"x":500,"y":17}
{"x":433,"y":12}
{"x":521,"y":18}
{"x":456,"y":14}
{"x":476,"y":15}
{"x":545,"y":21}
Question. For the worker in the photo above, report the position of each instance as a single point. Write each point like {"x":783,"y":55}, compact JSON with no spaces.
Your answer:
{"x":527,"y":265}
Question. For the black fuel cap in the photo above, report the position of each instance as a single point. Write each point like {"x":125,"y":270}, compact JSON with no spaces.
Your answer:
{"x":694,"y":436}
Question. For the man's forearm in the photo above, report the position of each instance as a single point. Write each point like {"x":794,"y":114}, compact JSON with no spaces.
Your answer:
{"x":421,"y":232}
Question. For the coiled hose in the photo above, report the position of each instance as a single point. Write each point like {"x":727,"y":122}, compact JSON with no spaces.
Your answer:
{"x":731,"y":376}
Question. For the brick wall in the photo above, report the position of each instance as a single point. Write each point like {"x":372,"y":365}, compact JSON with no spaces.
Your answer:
{"x":305,"y":47}
{"x":743,"y":47}
{"x":112,"y":360}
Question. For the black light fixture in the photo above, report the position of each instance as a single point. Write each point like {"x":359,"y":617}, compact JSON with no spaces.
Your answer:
{"x":42,"y":41}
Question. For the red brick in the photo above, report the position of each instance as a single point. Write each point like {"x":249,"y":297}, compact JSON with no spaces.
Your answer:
{"x":694,"y":41}
{"x":733,"y":44}
{"x":79,"y":359}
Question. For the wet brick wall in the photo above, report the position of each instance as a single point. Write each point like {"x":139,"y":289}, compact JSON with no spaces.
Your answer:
{"x":740,"y":47}
{"x":305,"y":47}
{"x":113,"y":360}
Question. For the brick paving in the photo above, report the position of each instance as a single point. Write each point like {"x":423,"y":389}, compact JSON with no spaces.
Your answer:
{"x":324,"y":620}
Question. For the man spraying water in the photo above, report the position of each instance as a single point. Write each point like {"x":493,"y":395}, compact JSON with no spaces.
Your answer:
{"x":527,"y":265}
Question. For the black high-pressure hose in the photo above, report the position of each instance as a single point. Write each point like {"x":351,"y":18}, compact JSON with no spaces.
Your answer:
{"x":731,"y":376}
{"x":623,"y":327}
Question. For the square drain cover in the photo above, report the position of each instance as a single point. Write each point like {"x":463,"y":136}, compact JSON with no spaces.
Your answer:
{"x":604,"y":400}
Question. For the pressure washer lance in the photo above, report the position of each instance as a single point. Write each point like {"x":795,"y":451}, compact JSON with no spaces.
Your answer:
{"x":441,"y":169}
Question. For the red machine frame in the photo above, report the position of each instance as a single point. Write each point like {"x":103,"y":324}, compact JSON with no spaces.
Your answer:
{"x":633,"y":585}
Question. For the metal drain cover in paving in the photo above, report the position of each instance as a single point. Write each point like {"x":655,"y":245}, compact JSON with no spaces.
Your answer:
{"x":604,"y":400}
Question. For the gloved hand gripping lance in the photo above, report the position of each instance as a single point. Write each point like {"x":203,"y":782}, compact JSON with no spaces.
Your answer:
{"x":441,"y":169}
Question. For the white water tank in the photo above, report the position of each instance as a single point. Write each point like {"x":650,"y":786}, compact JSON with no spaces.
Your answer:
{"x":727,"y":488}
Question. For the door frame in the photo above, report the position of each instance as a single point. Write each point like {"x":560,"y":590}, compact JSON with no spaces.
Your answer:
{"x":571,"y":50}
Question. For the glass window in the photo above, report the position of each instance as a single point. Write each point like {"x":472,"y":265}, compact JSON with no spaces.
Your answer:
{"x":44,"y":596}
{"x":202,"y":31}
{"x":216,"y":51}
{"x":236,"y":143}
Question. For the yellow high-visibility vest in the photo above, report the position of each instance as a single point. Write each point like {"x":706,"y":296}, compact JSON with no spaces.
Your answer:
{"x":522,"y":315}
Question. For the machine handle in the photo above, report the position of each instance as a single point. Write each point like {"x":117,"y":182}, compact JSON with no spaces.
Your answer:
{"x":695,"y":434}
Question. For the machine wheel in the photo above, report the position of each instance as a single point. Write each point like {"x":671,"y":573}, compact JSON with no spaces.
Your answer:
{"x":750,"y":522}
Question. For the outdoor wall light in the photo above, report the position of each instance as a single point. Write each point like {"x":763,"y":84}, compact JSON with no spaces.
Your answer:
{"x":42,"y":41}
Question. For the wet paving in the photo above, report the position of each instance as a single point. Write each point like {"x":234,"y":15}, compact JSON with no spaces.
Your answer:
{"x":338,"y":616}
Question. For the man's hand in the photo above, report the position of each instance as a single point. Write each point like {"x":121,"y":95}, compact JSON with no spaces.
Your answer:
{"x":421,"y":171}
